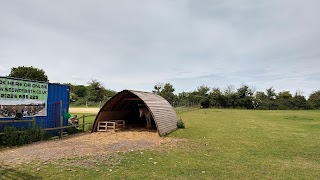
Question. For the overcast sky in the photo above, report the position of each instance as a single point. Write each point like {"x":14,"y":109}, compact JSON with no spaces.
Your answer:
{"x":128,"y":44}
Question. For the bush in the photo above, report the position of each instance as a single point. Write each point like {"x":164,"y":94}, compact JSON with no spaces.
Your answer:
{"x":80,"y":102}
{"x":205,"y":103}
{"x":72,"y":130}
{"x":18,"y":136}
{"x":180,"y":124}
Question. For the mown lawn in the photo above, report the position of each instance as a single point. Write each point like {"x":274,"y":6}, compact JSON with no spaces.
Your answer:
{"x":220,"y":144}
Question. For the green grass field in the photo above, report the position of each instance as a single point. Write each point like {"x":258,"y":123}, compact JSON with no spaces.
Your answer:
{"x":89,"y":119}
{"x":221,"y":144}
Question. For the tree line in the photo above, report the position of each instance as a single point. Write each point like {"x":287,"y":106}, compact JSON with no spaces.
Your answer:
{"x":242,"y":97}
{"x":89,"y":95}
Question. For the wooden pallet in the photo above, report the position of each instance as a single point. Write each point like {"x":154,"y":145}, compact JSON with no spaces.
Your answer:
{"x":104,"y":126}
{"x":119,"y":123}
{"x":111,"y":125}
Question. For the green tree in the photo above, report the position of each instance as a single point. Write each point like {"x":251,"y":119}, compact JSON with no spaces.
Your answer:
{"x":73,"y":97}
{"x":96,"y":91}
{"x":245,"y":97}
{"x":194,"y":98}
{"x":80,"y":90}
{"x":266,"y":100}
{"x":284,"y":95}
{"x":201,"y":95}
{"x":203,"y":91}
{"x":284,"y":100}
{"x":300,"y":102}
{"x":261,"y":100}
{"x":231,"y":97}
{"x":270,"y":92}
{"x":314,"y":99}
{"x":182,"y":98}
{"x":167,"y":93}
{"x":109,"y":93}
{"x":31,"y":73}
{"x":157,"y":88}
{"x":217,"y":98}
{"x":261,"y":95}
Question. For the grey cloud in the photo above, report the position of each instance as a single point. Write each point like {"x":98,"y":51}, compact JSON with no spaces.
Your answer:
{"x":140,"y":43}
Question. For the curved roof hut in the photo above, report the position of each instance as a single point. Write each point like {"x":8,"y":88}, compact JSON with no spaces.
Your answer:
{"x":125,"y":106}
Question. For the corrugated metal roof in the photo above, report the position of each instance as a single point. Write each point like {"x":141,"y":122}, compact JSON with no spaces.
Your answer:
{"x":162,"y":112}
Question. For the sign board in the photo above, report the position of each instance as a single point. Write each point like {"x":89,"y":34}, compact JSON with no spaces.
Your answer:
{"x":23,"y":98}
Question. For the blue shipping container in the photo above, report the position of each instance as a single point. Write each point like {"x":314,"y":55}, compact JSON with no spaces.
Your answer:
{"x":56,"y":94}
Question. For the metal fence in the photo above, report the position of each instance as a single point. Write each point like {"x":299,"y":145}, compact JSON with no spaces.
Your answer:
{"x":182,"y":107}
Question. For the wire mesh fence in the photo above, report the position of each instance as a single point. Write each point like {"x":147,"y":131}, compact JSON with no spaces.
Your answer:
{"x":88,"y":104}
{"x":178,"y":106}
{"x":185,"y":106}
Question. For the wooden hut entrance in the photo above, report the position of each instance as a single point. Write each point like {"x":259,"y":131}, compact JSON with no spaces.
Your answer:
{"x":125,"y":106}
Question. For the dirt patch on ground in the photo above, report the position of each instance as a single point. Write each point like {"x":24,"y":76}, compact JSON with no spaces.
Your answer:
{"x":84,"y":110}
{"x":84,"y":145}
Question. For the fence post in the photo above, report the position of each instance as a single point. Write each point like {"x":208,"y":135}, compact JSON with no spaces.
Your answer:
{"x":83,"y":122}
{"x":61,"y":120}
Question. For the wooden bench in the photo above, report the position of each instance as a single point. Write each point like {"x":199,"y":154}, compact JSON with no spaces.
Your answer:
{"x":110,"y":125}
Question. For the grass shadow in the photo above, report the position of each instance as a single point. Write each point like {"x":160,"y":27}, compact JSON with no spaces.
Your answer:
{"x":15,"y":174}
{"x":299,"y":118}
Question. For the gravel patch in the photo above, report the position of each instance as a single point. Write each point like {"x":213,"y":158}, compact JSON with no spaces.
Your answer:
{"x":99,"y":144}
